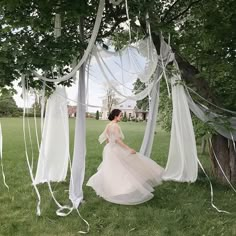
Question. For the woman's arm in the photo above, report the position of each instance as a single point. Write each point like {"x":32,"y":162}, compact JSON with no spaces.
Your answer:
{"x":122,"y":144}
{"x":117,"y":133}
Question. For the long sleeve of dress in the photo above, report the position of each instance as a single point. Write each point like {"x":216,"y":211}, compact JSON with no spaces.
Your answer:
{"x":103,"y":137}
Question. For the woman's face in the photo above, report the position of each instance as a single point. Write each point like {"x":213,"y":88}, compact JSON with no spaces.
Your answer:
{"x":119,"y":117}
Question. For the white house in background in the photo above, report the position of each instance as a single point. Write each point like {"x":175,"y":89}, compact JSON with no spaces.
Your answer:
{"x":129,"y":106}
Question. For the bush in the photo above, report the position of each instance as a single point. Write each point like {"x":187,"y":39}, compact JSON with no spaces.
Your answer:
{"x":97,"y":115}
{"x":124,"y":117}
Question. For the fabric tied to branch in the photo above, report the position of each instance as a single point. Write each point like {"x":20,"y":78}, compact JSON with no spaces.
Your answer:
{"x":226,"y":126}
{"x":147,"y":143}
{"x":182,"y":159}
{"x":57,"y":26}
{"x":78,"y":164}
{"x":54,"y":149}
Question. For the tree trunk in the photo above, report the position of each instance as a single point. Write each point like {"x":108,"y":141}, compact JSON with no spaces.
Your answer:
{"x":223,"y":148}
{"x":203,"y":145}
{"x":232,"y":156}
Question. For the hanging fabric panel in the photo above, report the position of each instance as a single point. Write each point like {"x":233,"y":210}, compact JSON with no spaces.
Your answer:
{"x":146,"y":147}
{"x":182,"y":159}
{"x":78,"y":164}
{"x":54,"y":149}
{"x":164,"y":58}
{"x":226,"y":126}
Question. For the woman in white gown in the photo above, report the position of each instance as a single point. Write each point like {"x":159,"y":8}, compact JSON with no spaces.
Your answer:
{"x":124,"y":176}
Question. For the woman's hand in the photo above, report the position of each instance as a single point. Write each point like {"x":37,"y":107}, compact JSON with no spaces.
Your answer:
{"x":132,"y":151}
{"x":122,"y":144}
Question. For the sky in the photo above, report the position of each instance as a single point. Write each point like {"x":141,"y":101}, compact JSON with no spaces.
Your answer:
{"x":18,"y":96}
{"x":96,"y":92}
{"x":122,"y":72}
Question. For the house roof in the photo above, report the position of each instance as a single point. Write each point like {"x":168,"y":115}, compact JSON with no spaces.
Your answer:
{"x":129,"y":104}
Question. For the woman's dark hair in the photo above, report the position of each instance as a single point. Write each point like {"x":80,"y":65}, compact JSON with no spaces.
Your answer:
{"x":114,"y":112}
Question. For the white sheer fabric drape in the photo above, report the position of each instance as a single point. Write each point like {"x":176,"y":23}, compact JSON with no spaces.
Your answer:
{"x":226,"y":126}
{"x":1,"y":161}
{"x":146,"y":147}
{"x":78,"y":164}
{"x":164,"y":58}
{"x":119,"y":70}
{"x":182,"y":159}
{"x":147,"y":49}
{"x":54,"y":149}
{"x":140,"y":62}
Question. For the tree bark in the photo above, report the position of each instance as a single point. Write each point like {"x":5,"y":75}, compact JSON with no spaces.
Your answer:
{"x":222,"y":149}
{"x":189,"y":72}
{"x":219,"y":151}
{"x":232,"y":156}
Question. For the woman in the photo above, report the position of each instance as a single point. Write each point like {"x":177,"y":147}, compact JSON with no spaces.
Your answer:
{"x":124,"y":176}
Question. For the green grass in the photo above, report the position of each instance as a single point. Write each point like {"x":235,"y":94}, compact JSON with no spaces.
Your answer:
{"x":176,"y":209}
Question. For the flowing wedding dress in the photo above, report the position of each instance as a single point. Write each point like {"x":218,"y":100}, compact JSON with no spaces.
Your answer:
{"x":122,"y":177}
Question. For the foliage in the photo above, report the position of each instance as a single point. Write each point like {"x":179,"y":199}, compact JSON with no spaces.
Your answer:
{"x":201,"y":129}
{"x":8,"y":105}
{"x":124,"y":118}
{"x":120,"y":39}
{"x":138,"y":87}
{"x":27,"y":39}
{"x":203,"y":33}
{"x":36,"y":107}
{"x":165,"y":108}
{"x":206,"y":38}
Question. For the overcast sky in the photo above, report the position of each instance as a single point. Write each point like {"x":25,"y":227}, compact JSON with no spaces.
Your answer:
{"x":121,"y":72}
{"x":96,"y":92}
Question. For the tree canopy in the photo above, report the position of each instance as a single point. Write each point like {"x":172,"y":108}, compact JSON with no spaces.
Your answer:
{"x":207,"y":39}
{"x":202,"y":32}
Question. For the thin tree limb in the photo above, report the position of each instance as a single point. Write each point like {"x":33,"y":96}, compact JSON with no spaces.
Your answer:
{"x":183,"y":12}
{"x":171,"y":7}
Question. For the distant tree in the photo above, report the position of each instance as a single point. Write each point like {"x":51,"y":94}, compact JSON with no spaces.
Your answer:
{"x":36,"y":107}
{"x":8,"y":105}
{"x":97,"y":115}
{"x":110,"y":99}
{"x":124,"y":117}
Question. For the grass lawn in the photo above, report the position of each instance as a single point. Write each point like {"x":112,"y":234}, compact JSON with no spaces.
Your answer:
{"x":176,"y":209}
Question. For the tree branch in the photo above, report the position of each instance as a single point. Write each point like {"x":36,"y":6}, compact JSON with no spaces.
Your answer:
{"x":171,"y":7}
{"x":183,"y":12}
{"x":113,"y":27}
{"x":119,"y":16}
{"x":189,"y":73}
